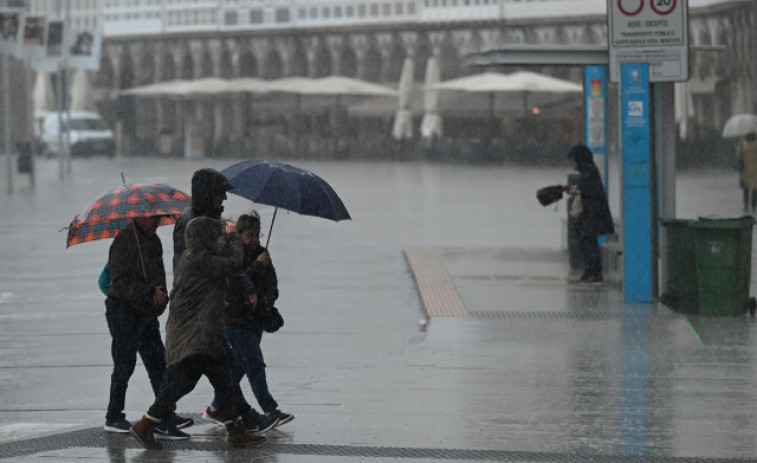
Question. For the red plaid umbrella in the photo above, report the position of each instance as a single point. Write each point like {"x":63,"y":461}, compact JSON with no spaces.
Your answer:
{"x":112,"y":211}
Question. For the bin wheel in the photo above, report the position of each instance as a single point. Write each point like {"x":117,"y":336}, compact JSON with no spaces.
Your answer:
{"x":752,"y":304}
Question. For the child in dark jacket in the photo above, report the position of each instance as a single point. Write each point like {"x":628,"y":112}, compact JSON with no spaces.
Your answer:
{"x":250,"y":295}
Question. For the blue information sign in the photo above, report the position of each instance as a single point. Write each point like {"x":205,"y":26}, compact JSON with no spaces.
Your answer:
{"x":637,"y":226}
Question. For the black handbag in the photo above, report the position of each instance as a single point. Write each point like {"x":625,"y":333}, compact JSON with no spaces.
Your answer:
{"x":549,"y":194}
{"x":270,"y":319}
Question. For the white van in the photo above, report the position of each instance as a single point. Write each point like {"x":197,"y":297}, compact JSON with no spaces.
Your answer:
{"x":90,"y":134}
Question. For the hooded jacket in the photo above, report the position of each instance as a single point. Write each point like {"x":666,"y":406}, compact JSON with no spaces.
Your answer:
{"x":196,"y":317}
{"x":132,"y":287}
{"x":596,"y":219}
{"x":257,"y":278}
{"x":206,"y":185}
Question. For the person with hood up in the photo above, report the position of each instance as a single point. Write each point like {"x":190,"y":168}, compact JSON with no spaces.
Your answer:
{"x":595,"y":219}
{"x":195,"y":342}
{"x":209,"y":189}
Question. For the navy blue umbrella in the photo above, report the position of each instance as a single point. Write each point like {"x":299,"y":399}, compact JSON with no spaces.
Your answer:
{"x":287,"y":187}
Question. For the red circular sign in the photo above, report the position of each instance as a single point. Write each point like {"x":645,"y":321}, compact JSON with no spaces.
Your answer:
{"x":631,"y":7}
{"x":663,"y":7}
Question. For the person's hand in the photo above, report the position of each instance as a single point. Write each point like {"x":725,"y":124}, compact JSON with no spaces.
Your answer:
{"x":253,"y":300}
{"x":160,"y":297}
{"x":264,"y":258}
{"x":230,"y":227}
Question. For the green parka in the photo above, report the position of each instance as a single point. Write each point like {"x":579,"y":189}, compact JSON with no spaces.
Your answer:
{"x":196,"y":316}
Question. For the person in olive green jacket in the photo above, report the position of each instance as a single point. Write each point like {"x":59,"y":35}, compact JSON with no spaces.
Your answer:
{"x":195,"y":341}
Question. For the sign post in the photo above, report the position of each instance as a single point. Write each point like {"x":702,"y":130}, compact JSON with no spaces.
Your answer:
{"x":649,"y":31}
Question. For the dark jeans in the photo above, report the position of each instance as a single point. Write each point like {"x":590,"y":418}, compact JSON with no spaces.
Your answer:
{"x":184,"y":378}
{"x":131,"y":335}
{"x":247,"y":359}
{"x":750,"y":198}
{"x":590,"y":255}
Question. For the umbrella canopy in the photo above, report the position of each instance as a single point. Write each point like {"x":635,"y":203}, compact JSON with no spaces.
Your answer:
{"x":522,"y":81}
{"x":175,"y":88}
{"x":431,"y":125}
{"x":113,"y":210}
{"x":81,"y":92}
{"x":288,"y":187}
{"x":740,"y":125}
{"x":403,"y":121}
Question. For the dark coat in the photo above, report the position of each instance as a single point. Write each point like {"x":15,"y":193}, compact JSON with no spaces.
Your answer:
{"x":206,"y":185}
{"x":196,"y":318}
{"x":596,"y":219}
{"x":257,"y":278}
{"x":129,"y":289}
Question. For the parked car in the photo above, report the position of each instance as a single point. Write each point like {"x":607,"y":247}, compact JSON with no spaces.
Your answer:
{"x":90,"y":135}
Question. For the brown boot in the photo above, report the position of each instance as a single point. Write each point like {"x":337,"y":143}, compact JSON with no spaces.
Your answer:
{"x":143,"y":430}
{"x":238,"y":435}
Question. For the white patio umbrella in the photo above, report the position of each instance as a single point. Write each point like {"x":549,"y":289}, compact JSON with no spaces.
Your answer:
{"x":81,"y":92}
{"x":431,"y":125}
{"x":403,"y":121}
{"x":43,"y":98}
{"x":171,"y":88}
{"x":740,"y":125}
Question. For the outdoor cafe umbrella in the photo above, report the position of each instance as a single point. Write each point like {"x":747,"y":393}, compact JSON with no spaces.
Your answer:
{"x":740,"y":125}
{"x":283,"y":186}
{"x":111,"y":212}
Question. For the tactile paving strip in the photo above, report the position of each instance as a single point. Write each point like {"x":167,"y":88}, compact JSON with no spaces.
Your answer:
{"x":440,"y":298}
{"x":97,"y":438}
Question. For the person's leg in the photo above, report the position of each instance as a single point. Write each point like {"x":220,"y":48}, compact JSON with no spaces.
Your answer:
{"x":184,"y":378}
{"x":218,"y":373}
{"x":745,"y":194}
{"x":123,"y":350}
{"x":754,"y":199}
{"x":236,"y":373}
{"x":591,"y":257}
{"x":245,"y":345}
{"x":153,"y":352}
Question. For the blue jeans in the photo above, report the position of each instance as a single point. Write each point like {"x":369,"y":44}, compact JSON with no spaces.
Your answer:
{"x":131,"y":335}
{"x":247,"y":359}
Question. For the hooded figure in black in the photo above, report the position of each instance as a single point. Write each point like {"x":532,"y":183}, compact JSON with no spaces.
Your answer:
{"x":209,"y":189}
{"x":596,"y":219}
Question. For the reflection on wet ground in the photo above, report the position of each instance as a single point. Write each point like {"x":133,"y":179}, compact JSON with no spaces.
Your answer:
{"x":535,"y":370}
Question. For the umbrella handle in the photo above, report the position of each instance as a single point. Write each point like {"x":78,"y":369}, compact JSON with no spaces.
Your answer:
{"x":271,"y":229}
{"x":139,"y":249}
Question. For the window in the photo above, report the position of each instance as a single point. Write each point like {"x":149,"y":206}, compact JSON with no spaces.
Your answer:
{"x":374,"y":9}
{"x":361,"y":10}
{"x":387,"y":9}
{"x":411,"y":8}
{"x":302,"y":13}
{"x":282,"y":15}
{"x":349,"y":11}
{"x":399,"y":9}
{"x":337,"y":11}
{"x":314,"y":12}
{"x":326,"y":12}
{"x":256,"y":16}
{"x":230,"y":18}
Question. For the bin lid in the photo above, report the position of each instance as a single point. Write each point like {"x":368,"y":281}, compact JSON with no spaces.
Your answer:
{"x":669,"y":221}
{"x":746,"y":221}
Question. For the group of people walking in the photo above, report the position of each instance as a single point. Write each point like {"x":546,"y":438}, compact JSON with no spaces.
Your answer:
{"x":223,"y":280}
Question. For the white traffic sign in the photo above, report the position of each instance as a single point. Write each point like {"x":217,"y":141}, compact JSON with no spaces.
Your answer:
{"x":649,"y":31}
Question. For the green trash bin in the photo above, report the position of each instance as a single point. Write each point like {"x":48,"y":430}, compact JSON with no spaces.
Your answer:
{"x":680,"y":271}
{"x":724,"y":264}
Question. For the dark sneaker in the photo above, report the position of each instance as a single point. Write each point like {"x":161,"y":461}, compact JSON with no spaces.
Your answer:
{"x":182,"y":422}
{"x":170,"y":431}
{"x":120,"y":426}
{"x":212,"y":416}
{"x":256,"y":423}
{"x":284,"y":418}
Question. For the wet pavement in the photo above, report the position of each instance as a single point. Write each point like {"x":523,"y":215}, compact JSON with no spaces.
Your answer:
{"x":529,"y":368}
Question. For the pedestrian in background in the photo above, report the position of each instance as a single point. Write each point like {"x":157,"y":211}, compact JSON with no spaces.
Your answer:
{"x":195,"y":343}
{"x":136,"y":298}
{"x":244,"y":330}
{"x":747,"y":152}
{"x":594,"y":219}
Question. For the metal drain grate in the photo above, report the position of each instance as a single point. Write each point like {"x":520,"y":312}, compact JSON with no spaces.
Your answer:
{"x":96,"y":438}
{"x":572,"y":315}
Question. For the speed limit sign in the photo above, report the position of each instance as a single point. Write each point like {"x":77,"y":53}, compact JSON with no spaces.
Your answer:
{"x":649,"y":31}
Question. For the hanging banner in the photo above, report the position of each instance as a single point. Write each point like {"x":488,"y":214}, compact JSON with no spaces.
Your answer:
{"x":34,"y":37}
{"x":11,"y":31}
{"x":84,"y":48}
{"x":53,"y":50}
